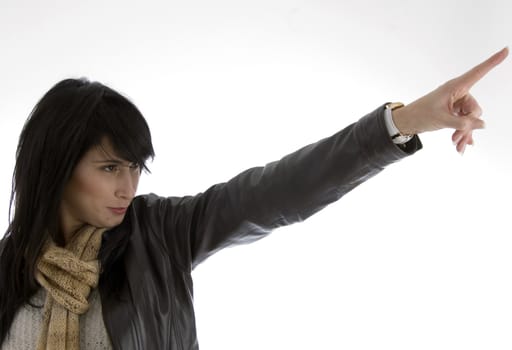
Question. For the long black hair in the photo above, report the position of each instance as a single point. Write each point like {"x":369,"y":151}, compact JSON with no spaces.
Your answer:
{"x":71,"y":118}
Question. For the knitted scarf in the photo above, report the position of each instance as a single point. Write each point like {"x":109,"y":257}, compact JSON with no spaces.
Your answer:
{"x":68,"y":274}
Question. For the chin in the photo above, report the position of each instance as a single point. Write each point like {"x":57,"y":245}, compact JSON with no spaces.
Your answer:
{"x":107,"y":224}
{"x":114,"y":222}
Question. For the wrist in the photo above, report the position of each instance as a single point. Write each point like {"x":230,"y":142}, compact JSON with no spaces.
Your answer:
{"x":401,"y":119}
{"x":397,"y":136}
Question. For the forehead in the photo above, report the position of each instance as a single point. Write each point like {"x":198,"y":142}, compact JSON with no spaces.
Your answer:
{"x":103,"y":152}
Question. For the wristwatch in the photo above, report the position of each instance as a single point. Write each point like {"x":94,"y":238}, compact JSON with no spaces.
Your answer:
{"x":396,"y":135}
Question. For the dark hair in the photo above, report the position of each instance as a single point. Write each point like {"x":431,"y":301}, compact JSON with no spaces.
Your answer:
{"x":71,"y":118}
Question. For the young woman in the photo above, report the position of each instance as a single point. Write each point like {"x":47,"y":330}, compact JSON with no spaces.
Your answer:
{"x":86,"y":264}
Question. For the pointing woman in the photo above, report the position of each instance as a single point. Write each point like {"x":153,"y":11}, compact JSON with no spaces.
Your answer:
{"x":87,"y":264}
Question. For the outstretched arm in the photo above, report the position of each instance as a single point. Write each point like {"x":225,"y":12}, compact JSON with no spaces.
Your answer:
{"x":449,"y":106}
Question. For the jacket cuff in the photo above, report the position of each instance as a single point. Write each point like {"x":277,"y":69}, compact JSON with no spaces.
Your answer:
{"x":373,"y":138}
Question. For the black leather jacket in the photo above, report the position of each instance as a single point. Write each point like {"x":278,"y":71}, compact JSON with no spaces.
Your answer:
{"x":169,"y":236}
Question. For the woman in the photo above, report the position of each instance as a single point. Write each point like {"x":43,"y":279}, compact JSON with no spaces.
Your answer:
{"x":86,"y":264}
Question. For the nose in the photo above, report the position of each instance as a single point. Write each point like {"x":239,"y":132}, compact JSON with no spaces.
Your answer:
{"x":126,"y":185}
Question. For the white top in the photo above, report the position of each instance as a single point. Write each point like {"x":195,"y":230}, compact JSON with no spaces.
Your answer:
{"x":26,"y":326}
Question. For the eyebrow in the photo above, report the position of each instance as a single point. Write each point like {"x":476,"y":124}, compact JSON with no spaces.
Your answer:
{"x":112,"y":161}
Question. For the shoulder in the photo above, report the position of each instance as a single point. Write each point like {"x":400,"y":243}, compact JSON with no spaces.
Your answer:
{"x":147,"y":206}
{"x":145,"y":200}
{"x":150,"y":210}
{"x":152,"y":203}
{"x":152,"y":200}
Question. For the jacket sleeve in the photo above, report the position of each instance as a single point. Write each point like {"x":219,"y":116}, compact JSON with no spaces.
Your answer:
{"x":260,"y":199}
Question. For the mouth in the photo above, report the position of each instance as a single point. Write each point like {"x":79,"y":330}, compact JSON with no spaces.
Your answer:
{"x":118,"y":211}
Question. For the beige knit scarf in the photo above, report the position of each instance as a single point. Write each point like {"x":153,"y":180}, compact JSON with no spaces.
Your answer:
{"x":68,"y":274}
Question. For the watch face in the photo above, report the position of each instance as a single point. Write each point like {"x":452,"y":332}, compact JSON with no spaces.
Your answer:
{"x":401,"y":139}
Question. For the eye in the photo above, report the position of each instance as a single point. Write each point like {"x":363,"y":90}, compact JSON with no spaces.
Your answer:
{"x":134,"y":166}
{"x":110,"y":168}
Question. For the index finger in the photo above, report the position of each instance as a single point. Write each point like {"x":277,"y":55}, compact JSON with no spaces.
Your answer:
{"x":468,"y":79}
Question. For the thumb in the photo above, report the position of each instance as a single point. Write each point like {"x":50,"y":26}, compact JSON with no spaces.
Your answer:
{"x":469,"y":121}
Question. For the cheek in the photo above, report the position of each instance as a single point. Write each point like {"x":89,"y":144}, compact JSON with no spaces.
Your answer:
{"x":92,"y":196}
{"x":92,"y":188}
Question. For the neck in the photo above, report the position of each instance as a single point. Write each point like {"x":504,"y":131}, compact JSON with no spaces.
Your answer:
{"x":68,"y":232}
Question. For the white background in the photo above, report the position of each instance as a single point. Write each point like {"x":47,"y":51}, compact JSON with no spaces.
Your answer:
{"x":417,"y":258}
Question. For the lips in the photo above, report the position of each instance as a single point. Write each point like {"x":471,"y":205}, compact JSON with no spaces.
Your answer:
{"x":118,"y":211}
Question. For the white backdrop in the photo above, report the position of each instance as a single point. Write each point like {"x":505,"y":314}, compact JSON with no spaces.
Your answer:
{"x":416,"y":258}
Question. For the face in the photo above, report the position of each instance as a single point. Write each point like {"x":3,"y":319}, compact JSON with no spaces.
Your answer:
{"x":101,"y":188}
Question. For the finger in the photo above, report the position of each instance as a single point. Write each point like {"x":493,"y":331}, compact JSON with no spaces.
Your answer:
{"x":466,"y":140}
{"x":457,"y":136}
{"x":470,"y":140}
{"x":468,"y":79}
{"x":461,"y":147}
{"x":461,"y":137}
